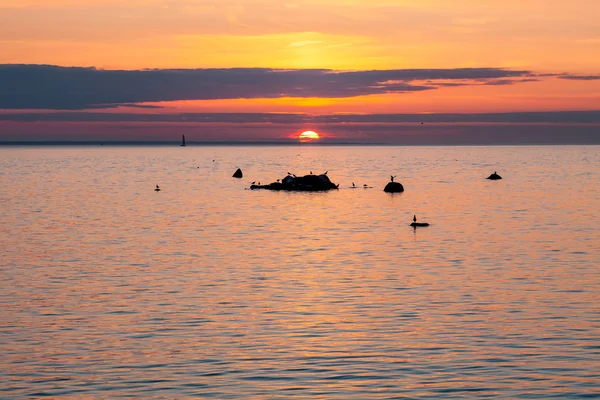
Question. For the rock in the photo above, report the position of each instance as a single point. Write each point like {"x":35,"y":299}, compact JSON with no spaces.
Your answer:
{"x":494,"y":176}
{"x":416,"y":224}
{"x":393,"y":187}
{"x":307,"y":183}
{"x":238,"y":174}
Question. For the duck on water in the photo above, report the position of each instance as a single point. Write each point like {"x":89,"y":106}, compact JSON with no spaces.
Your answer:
{"x":416,"y":224}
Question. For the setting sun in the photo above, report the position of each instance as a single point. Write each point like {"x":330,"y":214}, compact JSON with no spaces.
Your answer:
{"x":308,"y":135}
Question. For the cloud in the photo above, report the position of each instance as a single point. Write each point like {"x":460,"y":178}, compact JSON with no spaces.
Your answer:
{"x":76,"y":88}
{"x":580,"y":77}
{"x":549,"y":117}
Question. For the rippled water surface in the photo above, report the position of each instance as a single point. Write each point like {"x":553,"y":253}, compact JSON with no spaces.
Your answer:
{"x":110,"y":289}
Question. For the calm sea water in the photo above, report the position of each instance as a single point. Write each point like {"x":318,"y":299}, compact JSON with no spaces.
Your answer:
{"x":110,"y":289}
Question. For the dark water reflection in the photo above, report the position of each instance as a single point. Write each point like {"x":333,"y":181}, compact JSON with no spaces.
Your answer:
{"x":110,"y":289}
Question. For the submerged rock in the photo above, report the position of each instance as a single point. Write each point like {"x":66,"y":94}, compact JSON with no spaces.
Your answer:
{"x":306,"y":183}
{"x":494,"y":176}
{"x":393,"y":187}
{"x":238,"y":174}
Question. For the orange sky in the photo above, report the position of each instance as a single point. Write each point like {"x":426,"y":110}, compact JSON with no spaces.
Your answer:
{"x":543,"y":36}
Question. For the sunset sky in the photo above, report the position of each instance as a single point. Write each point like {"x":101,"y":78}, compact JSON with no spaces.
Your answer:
{"x":267,"y":70}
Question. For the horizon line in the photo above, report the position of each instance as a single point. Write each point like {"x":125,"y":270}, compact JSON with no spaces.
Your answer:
{"x":291,"y":142}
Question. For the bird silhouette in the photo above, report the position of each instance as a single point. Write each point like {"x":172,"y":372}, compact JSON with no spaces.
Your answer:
{"x":157,"y":189}
{"x":325,"y":173}
{"x":253,"y":182}
{"x":353,"y":185}
{"x":414,"y":218}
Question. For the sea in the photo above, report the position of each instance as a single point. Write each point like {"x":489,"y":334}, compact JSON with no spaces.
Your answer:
{"x":207,"y":289}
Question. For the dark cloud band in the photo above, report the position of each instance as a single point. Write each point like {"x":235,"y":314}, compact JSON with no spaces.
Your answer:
{"x":76,"y":88}
{"x":557,"y":117}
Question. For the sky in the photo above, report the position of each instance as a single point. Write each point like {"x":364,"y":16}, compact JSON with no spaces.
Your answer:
{"x":417,"y":72}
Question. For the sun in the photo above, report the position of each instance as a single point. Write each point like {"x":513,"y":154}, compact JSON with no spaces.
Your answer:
{"x":307,"y":136}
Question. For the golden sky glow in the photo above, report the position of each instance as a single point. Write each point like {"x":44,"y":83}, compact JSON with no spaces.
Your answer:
{"x":546,"y":37}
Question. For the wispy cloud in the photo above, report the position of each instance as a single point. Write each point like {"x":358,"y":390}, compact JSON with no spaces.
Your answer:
{"x":549,"y":117}
{"x":304,"y":43}
{"x":580,"y":77}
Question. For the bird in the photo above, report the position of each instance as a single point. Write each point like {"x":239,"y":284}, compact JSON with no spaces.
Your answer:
{"x":365,"y":185}
{"x":325,"y":173}
{"x":278,"y":180}
{"x":253,"y":182}
{"x":416,"y":224}
{"x":392,"y":177}
{"x":311,"y":172}
{"x":258,"y":183}
{"x":353,"y":185}
{"x":157,"y":189}
{"x":289,"y":173}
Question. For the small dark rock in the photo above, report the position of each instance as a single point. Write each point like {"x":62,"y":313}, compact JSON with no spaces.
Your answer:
{"x":393,"y":187}
{"x":494,"y":176}
{"x":238,"y":174}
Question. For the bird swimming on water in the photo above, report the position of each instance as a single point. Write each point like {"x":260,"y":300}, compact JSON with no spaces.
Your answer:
{"x":415,"y":224}
{"x":353,"y":185}
{"x":157,"y":189}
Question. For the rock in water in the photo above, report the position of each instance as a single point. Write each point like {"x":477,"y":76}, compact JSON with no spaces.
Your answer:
{"x":307,"y":183}
{"x":494,"y":176}
{"x":393,"y":187}
{"x":238,"y":173}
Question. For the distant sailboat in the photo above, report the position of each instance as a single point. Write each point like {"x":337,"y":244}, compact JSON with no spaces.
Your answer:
{"x":183,"y":140}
